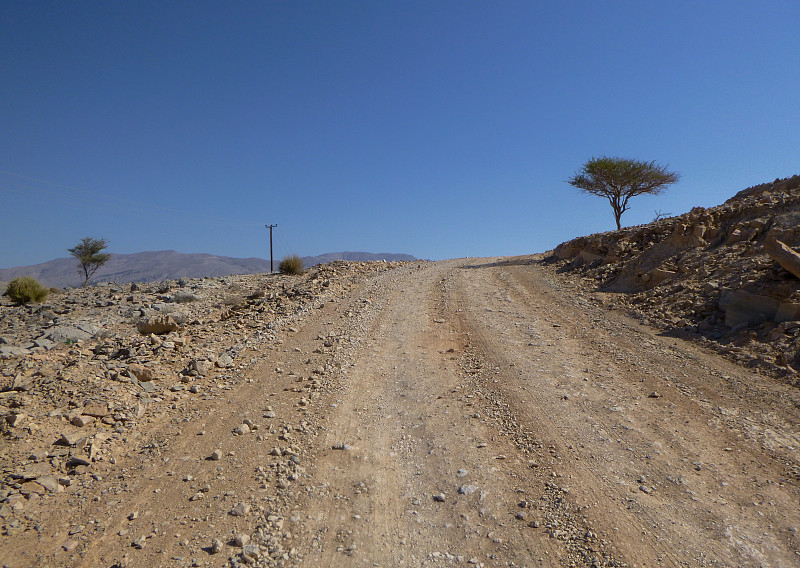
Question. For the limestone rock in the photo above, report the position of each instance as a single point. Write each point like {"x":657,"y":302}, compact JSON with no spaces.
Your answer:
{"x":201,"y":367}
{"x":787,"y":311}
{"x":240,"y":510}
{"x":743,"y":308}
{"x":224,"y":361}
{"x":783,"y":255}
{"x":67,"y":334}
{"x":142,"y":373}
{"x":158,"y":325}
{"x":8,"y":351}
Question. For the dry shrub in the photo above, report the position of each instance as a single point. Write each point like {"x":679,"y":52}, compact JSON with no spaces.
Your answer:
{"x":291,"y":265}
{"x":26,"y":289}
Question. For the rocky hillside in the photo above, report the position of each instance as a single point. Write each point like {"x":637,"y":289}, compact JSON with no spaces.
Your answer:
{"x":169,"y":265}
{"x":107,"y":357}
{"x":727,"y":276}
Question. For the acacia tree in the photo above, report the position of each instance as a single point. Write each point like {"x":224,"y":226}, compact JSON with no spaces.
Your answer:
{"x":619,"y":179}
{"x":89,"y":255}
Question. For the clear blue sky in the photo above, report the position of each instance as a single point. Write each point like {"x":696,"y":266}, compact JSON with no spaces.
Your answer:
{"x":435,"y":128}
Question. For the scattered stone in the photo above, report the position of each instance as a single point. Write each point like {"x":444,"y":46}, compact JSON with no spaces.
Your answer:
{"x":241,"y":429}
{"x":68,"y":334}
{"x":467,"y":489}
{"x":216,"y":546}
{"x":224,"y":361}
{"x":75,"y":461}
{"x":15,"y":420}
{"x":50,"y":483}
{"x":70,"y":438}
{"x":240,"y":510}
{"x":439,"y":497}
{"x":140,"y":372}
{"x":201,"y":366}
{"x":251,"y":551}
{"x":82,"y":420}
{"x":241,"y":539}
{"x":215,"y":455}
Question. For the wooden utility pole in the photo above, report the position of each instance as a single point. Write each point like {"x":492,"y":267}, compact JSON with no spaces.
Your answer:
{"x":270,"y":227}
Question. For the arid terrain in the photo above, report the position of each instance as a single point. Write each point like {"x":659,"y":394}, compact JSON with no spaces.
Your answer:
{"x":479,"y":412}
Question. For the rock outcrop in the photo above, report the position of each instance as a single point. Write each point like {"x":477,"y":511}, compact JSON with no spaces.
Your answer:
{"x":729,"y":275}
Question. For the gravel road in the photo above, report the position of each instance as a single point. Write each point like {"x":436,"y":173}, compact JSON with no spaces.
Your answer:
{"x":476,"y":412}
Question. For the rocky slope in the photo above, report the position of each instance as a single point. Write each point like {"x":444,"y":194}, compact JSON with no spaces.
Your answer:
{"x":710,"y":274}
{"x":169,"y":265}
{"x":79,"y":372}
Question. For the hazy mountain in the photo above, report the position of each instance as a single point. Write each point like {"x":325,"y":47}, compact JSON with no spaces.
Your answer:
{"x":168,"y":265}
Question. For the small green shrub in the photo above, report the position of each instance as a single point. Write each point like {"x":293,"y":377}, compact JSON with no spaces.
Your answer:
{"x":291,"y":265}
{"x":26,"y":289}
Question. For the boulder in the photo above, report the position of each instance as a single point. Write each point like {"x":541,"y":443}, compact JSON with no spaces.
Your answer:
{"x":8,"y":351}
{"x":589,"y":257}
{"x":783,"y":255}
{"x":201,"y":367}
{"x":158,"y":325}
{"x":787,"y":312}
{"x":67,"y":334}
{"x":743,"y":308}
{"x":142,"y":373}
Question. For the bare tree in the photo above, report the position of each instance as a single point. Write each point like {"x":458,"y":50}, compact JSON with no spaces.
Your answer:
{"x":619,"y":179}
{"x":88,"y":252}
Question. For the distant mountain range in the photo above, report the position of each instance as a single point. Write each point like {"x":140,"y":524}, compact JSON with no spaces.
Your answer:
{"x":169,"y":265}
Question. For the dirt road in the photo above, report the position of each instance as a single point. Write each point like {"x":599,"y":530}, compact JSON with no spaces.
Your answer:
{"x":474,"y":412}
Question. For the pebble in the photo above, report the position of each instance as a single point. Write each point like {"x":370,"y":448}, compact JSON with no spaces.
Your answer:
{"x":216,"y":455}
{"x":241,"y":539}
{"x":439,"y":497}
{"x":241,"y":429}
{"x":240,"y":510}
{"x":216,"y":546}
{"x":251,"y":551}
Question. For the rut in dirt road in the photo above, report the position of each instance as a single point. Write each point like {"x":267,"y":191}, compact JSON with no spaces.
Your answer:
{"x":425,"y":478}
{"x":486,"y":416}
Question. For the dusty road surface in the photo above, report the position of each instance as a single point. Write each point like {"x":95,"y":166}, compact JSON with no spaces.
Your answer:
{"x":465,"y":412}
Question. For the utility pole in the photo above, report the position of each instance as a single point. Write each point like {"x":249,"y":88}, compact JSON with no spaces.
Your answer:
{"x":270,"y":227}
